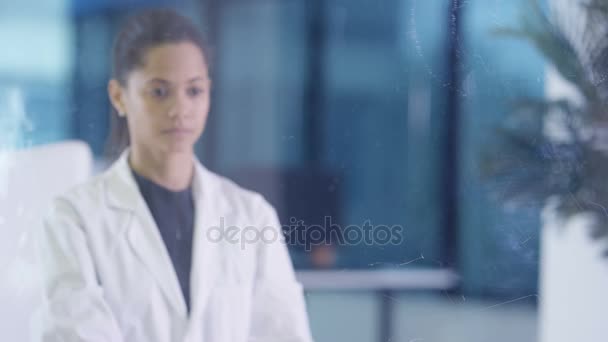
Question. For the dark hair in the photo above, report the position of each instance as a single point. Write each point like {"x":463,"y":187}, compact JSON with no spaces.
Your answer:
{"x":140,"y":32}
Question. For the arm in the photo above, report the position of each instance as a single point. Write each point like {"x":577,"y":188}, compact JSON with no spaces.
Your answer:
{"x":279,"y":309}
{"x":73,"y":307}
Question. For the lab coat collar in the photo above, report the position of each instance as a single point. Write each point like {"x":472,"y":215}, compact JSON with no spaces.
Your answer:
{"x":144,"y":236}
{"x":124,"y":192}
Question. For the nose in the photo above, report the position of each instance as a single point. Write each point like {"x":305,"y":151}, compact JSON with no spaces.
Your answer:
{"x":180,"y":107}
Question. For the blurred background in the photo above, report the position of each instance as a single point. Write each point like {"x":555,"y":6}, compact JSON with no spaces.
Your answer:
{"x":357,"y":110}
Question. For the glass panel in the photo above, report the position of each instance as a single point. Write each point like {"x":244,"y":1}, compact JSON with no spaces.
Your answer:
{"x":499,"y":244}
{"x":35,"y":108}
{"x":339,"y":113}
{"x":348,"y":97}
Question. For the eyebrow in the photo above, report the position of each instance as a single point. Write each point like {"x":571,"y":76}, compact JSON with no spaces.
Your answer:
{"x":160,"y":80}
{"x":197,"y":78}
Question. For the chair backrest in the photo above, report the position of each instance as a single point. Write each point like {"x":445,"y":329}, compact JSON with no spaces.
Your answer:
{"x":29,"y":179}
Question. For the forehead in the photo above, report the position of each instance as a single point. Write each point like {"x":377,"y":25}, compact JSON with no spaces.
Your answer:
{"x":173,"y":62}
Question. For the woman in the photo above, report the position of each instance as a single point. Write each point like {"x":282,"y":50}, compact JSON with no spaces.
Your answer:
{"x":158,"y":248}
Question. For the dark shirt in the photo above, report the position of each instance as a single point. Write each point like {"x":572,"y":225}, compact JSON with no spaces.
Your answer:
{"x":173,"y":212}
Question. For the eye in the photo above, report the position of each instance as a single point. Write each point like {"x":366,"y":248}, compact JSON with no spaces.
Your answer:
{"x":160,"y":92}
{"x":194,"y":91}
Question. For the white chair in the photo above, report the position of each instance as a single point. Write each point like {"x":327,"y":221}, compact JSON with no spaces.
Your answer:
{"x":29,"y":179}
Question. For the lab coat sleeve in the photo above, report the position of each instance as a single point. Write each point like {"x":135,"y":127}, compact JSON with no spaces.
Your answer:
{"x":278,"y":307}
{"x":73,"y":308}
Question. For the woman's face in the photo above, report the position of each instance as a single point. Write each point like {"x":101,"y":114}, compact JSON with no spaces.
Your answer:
{"x":166,"y":100}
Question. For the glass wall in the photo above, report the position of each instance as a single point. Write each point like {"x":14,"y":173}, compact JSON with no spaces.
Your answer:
{"x":499,"y":241}
{"x":347,"y":95}
{"x":35,"y":101}
{"x":330,"y":109}
{"x":342,"y":113}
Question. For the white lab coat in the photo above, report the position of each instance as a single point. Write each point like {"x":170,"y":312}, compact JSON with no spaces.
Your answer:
{"x":108,"y":276}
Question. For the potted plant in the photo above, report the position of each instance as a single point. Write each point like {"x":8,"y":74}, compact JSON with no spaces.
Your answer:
{"x":555,"y":150}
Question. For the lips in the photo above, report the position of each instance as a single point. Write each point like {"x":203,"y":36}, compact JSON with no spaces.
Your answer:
{"x":177,"y":130}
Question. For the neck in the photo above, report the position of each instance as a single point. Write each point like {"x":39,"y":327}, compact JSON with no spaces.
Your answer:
{"x":171,"y":170}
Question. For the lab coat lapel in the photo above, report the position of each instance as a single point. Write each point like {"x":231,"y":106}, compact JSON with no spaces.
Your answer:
{"x":151,"y":249}
{"x":142,"y":233}
{"x":211,"y":209}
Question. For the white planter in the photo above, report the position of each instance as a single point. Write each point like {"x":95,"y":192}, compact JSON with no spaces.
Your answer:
{"x":573,"y":281}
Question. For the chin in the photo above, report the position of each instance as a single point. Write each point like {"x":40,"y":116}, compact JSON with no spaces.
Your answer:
{"x":179,"y":147}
